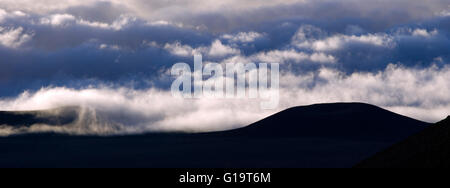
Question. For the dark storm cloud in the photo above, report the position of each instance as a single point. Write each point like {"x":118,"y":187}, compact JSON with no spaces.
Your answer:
{"x":81,"y":43}
{"x":112,"y":58}
{"x":102,"y":11}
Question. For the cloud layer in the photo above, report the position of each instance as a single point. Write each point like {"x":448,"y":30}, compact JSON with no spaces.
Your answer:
{"x":419,"y":93}
{"x":392,"y":54}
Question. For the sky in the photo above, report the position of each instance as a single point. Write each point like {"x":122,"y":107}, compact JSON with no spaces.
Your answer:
{"x":113,"y":58}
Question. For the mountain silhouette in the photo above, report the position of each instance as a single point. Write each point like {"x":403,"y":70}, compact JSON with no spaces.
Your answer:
{"x":427,"y":149}
{"x":340,"y":120}
{"x":55,"y":117}
{"x":325,"y":135}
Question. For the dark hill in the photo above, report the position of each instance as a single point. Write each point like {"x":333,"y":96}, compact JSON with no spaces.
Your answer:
{"x":427,"y":149}
{"x":326,"y":135}
{"x":341,"y":120}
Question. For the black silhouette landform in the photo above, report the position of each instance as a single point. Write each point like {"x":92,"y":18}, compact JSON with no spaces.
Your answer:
{"x":317,"y":136}
{"x":54,"y":117}
{"x":427,"y":149}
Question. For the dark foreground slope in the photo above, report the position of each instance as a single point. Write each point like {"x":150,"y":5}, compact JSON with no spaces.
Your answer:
{"x":327,"y":135}
{"x":427,"y":149}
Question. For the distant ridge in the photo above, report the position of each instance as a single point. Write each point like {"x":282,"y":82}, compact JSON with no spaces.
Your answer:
{"x":338,"y":120}
{"x":427,"y":149}
{"x":55,"y":117}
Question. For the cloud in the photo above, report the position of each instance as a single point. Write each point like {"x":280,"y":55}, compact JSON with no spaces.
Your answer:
{"x":43,"y":6}
{"x":424,"y":33}
{"x":278,"y":56}
{"x":403,"y":90}
{"x":234,"y":14}
{"x":65,"y":20}
{"x":216,"y":49}
{"x":13,"y":37}
{"x":109,"y":111}
{"x":58,"y":19}
{"x":118,"y":24}
{"x":219,"y":50}
{"x":444,"y":13}
{"x":2,"y":14}
{"x":139,"y":51}
{"x":243,"y":37}
{"x":324,"y":48}
{"x":322,"y":58}
{"x":408,"y":46}
{"x":126,"y":111}
{"x":11,"y":15}
{"x":180,"y":50}
{"x":338,"y":42}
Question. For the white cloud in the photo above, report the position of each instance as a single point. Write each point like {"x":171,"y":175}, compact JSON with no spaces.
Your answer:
{"x":126,"y":111}
{"x":322,"y":58}
{"x":243,"y":37}
{"x":168,"y":23}
{"x":339,"y":41}
{"x":310,"y":37}
{"x":421,"y":94}
{"x":406,"y":91}
{"x":282,"y":56}
{"x":279,"y":56}
{"x":180,"y":50}
{"x":13,"y":37}
{"x":424,"y":33}
{"x":109,"y":47}
{"x":19,"y":14}
{"x":15,"y":14}
{"x":444,"y":13}
{"x":219,"y":50}
{"x":142,"y":8}
{"x":67,"y":20}
{"x":58,"y":20}
{"x":116,"y":25}
{"x":2,"y":15}
{"x":43,"y":6}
